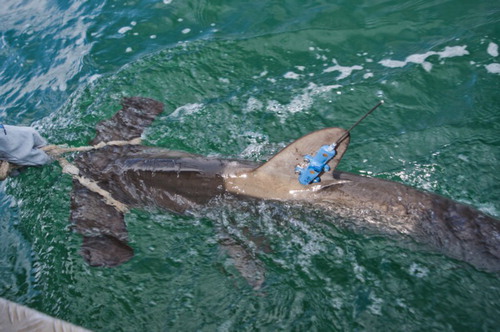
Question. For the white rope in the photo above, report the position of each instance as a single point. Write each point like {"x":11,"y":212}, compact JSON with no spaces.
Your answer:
{"x":4,"y":169}
{"x":56,"y":152}
{"x":69,"y":168}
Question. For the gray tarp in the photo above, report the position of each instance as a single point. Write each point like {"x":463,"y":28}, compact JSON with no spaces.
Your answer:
{"x":20,"y":146}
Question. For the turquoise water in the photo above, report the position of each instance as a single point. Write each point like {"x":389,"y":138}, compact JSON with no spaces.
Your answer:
{"x":243,"y":79}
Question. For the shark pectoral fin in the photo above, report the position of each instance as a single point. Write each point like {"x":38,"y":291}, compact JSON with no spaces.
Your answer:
{"x":137,"y":114}
{"x":102,"y":226}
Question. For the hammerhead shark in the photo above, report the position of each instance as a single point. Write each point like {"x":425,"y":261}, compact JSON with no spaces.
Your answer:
{"x":143,"y":176}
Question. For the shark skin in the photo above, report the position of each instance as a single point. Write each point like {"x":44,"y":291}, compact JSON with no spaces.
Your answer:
{"x":457,"y":230}
{"x":141,"y":176}
{"x":386,"y":207}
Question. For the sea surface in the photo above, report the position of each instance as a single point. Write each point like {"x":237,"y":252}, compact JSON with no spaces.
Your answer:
{"x":242,"y":79}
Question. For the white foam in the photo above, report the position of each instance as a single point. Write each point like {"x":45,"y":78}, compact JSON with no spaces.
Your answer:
{"x":376,"y":306}
{"x":453,"y":51}
{"x":493,"y":49}
{"x":300,"y":102}
{"x":185,"y":110}
{"x":489,"y":208}
{"x":315,"y":89}
{"x":167,"y":2}
{"x":321,"y":57}
{"x":253,"y":104}
{"x":128,"y":50}
{"x":420,"y":59}
{"x":427,"y":66}
{"x":93,"y":78}
{"x":392,"y":63}
{"x":152,"y":36}
{"x":185,"y":31}
{"x":344,"y":71}
{"x":292,"y":75}
{"x":359,"y":272}
{"x":123,"y":30}
{"x":257,"y":143}
{"x":264,"y":73}
{"x":448,"y":52}
{"x":493,"y":68}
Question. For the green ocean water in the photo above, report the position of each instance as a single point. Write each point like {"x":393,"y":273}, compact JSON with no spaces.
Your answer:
{"x":242,"y":80}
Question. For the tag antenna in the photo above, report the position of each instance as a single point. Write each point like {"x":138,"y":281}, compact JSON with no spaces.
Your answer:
{"x":343,"y":137}
{"x":316,"y":165}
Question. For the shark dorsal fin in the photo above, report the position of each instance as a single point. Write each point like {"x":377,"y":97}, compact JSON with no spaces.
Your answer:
{"x":293,"y":155}
{"x":137,"y":114}
{"x":276,"y":179}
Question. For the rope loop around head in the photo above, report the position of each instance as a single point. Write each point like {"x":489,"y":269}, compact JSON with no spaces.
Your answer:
{"x":4,"y":169}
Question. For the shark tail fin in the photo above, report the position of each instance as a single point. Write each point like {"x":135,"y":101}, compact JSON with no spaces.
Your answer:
{"x":137,"y":114}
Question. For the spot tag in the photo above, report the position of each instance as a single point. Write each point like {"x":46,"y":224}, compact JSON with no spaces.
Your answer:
{"x":316,"y":165}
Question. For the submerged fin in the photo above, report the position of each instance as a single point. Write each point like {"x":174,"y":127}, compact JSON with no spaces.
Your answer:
{"x":102,"y":226}
{"x":248,"y":265}
{"x":137,"y":114}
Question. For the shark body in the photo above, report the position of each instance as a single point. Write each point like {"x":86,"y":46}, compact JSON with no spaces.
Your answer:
{"x":140,"y":176}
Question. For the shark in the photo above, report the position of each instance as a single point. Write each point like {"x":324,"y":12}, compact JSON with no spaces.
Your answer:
{"x":140,"y":176}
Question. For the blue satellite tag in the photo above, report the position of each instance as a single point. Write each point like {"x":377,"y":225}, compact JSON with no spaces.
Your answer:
{"x":316,"y":165}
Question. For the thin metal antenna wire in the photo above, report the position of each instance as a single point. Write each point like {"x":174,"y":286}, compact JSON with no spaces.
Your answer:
{"x":343,"y":137}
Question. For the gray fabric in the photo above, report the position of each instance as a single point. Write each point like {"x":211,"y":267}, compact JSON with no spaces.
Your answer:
{"x":20,"y":146}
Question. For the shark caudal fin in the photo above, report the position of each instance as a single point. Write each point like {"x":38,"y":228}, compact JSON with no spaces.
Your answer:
{"x":137,"y":114}
{"x":276,"y":179}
